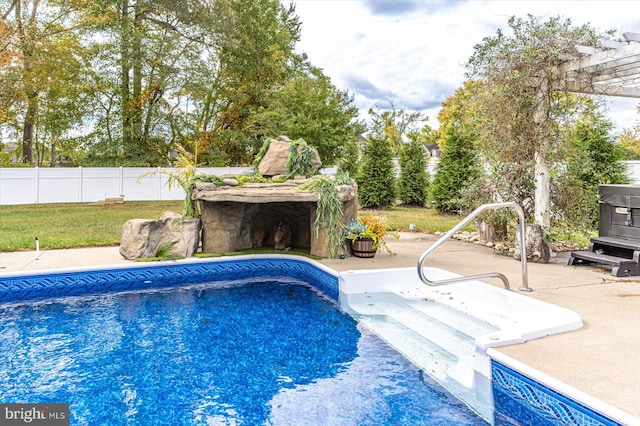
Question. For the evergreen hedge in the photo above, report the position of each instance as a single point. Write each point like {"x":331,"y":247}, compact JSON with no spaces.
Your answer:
{"x":413,"y":185}
{"x":376,"y":181}
{"x":457,"y":170}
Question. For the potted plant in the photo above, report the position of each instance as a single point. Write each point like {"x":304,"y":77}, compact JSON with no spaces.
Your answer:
{"x":366,"y":235}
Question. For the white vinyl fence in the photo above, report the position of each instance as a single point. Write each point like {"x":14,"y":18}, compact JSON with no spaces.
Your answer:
{"x":633,"y":169}
{"x":90,"y":184}
{"x":83,"y":184}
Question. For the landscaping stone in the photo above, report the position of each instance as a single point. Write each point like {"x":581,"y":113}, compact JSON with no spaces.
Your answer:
{"x":274,"y":162}
{"x":230,"y":182}
{"x":143,"y":237}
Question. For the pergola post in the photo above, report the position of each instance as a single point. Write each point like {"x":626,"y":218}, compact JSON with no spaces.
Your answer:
{"x":541,"y":172}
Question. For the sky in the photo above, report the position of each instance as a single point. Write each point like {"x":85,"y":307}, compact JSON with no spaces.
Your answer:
{"x":413,"y":53}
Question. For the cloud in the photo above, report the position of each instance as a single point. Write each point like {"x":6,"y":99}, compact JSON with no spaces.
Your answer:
{"x":361,"y":86}
{"x":413,"y":53}
{"x":426,"y":98}
{"x":405,"y":7}
{"x":393,"y":8}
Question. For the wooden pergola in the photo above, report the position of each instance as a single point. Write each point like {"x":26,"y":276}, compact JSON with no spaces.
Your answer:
{"x":611,"y":68}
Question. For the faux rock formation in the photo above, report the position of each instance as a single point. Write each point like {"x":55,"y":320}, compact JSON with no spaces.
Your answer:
{"x":536,"y":246}
{"x":143,"y":237}
{"x":240,"y":217}
{"x":274,"y":162}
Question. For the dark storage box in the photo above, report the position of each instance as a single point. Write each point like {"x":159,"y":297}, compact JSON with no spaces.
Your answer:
{"x":619,"y":211}
{"x":618,"y":242}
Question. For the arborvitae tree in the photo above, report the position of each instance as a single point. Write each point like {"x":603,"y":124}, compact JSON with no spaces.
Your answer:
{"x":457,"y":169}
{"x":350,"y":157}
{"x":594,"y":160}
{"x":413,"y":185}
{"x":599,"y":157}
{"x":376,"y":183}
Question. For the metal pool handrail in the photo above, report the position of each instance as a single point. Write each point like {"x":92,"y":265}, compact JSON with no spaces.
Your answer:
{"x":445,"y":237}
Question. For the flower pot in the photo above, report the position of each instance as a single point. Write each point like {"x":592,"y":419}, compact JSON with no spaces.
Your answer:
{"x":363,"y":248}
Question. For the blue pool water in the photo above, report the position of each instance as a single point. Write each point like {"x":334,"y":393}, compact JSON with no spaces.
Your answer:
{"x":257,"y":353}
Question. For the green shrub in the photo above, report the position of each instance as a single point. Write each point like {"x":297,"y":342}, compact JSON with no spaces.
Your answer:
{"x":413,"y":185}
{"x":594,"y":160}
{"x":456,"y":171}
{"x":376,"y":183}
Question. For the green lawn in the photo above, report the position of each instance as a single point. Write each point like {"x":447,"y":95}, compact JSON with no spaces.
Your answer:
{"x":426,"y":220}
{"x":72,"y":225}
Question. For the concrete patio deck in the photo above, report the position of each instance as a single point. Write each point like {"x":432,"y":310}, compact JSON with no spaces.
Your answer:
{"x":600,"y":359}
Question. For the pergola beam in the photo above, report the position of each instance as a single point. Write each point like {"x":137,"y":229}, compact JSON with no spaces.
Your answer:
{"x":611,"y":44}
{"x":587,"y":50}
{"x":607,"y":58}
{"x":631,"y":36}
{"x":611,"y":69}
{"x":598,"y":89}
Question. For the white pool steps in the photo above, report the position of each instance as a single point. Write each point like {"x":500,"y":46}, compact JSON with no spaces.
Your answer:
{"x":436,"y":338}
{"x":447,"y":330}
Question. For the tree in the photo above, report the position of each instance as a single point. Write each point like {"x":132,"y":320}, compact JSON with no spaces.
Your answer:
{"x":376,"y":182}
{"x":395,"y":124}
{"x":520,"y":107}
{"x":311,"y":108}
{"x":351,"y":152}
{"x":597,"y":157}
{"x":9,"y":76}
{"x":594,"y":159}
{"x":254,"y":60}
{"x":123,"y":82}
{"x":456,"y":171}
{"x":629,"y":140}
{"x":144,"y":56}
{"x":413,"y":185}
{"x":426,"y":136}
{"x":42,"y":67}
{"x":458,"y":175}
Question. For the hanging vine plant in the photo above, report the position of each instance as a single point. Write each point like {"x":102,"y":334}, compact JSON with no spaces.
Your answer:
{"x":300,"y":160}
{"x":260,"y":155}
{"x":190,"y":205}
{"x":329,"y":211}
{"x":183,"y":175}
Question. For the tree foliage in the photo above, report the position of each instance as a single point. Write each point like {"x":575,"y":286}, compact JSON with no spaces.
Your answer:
{"x":376,"y":182}
{"x":413,"y":184}
{"x":629,"y":140}
{"x":395,"y":125}
{"x":123,"y":82}
{"x":457,"y":170}
{"x":41,"y":71}
{"x":311,"y":108}
{"x":593,"y":159}
{"x":522,"y":106}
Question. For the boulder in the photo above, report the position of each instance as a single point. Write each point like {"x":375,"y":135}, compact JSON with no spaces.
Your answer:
{"x":143,"y":237}
{"x":274,"y":162}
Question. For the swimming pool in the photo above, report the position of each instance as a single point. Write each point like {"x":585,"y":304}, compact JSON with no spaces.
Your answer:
{"x":250,"y":352}
{"x":512,"y":390}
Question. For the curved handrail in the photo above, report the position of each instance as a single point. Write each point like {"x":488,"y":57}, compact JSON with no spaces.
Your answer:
{"x":445,"y":237}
